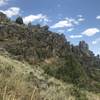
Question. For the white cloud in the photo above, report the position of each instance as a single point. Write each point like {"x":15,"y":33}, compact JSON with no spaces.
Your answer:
{"x":76,"y":36}
{"x":96,"y":41}
{"x":67,"y":23}
{"x":70,"y":29}
{"x":32,"y":18}
{"x":3,"y":2}
{"x":91,"y":31}
{"x":72,"y":20}
{"x":81,"y":19}
{"x":98,"y":17}
{"x":62,"y":24}
{"x":13,"y":11}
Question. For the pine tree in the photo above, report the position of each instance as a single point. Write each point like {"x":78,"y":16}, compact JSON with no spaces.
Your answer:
{"x":19,"y":20}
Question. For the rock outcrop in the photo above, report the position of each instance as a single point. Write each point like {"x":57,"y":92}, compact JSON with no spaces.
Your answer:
{"x":3,"y":17}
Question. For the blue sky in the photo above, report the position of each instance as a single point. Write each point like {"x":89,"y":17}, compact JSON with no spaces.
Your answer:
{"x":77,"y":19}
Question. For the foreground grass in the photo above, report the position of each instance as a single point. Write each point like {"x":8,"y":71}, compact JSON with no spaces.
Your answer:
{"x":21,"y":81}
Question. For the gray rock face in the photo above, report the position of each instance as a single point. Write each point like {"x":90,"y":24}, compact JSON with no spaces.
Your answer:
{"x":83,"y":45}
{"x":84,"y":48}
{"x":3,"y":17}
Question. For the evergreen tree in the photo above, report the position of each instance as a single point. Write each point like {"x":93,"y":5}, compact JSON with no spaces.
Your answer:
{"x":19,"y":20}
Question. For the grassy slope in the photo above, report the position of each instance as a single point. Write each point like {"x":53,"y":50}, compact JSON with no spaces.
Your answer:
{"x":21,"y":81}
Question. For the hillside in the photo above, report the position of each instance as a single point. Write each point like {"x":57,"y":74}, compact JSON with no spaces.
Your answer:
{"x":21,"y":81}
{"x":37,"y":64}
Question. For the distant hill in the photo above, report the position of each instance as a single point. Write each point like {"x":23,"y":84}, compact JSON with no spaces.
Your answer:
{"x":53,"y":54}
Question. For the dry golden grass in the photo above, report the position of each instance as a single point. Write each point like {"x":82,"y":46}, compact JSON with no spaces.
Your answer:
{"x":21,"y":81}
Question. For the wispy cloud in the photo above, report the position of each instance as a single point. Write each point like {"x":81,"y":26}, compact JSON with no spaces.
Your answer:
{"x":96,"y":41}
{"x":81,"y":19}
{"x":70,"y":29}
{"x":32,"y":18}
{"x":76,"y":36}
{"x":72,"y":20}
{"x":3,"y":2}
{"x":10,"y":12}
{"x":91,"y":31}
{"x":61,"y":31}
{"x":80,"y":16}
